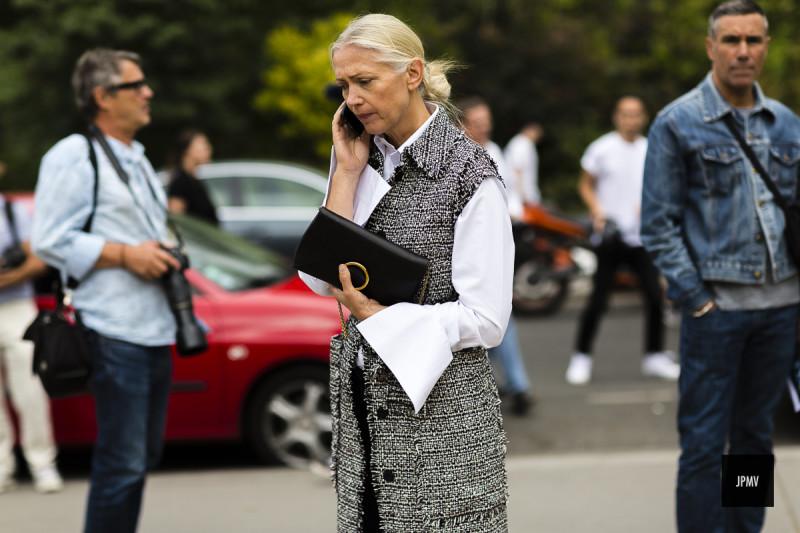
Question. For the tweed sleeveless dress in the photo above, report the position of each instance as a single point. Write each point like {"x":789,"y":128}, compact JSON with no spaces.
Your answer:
{"x":442,"y":469}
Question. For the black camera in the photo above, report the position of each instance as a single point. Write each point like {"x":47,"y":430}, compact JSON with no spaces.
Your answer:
{"x":190,"y":338}
{"x":12,"y":257}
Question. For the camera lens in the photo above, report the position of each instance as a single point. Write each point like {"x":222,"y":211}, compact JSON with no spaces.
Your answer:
{"x":190,"y":338}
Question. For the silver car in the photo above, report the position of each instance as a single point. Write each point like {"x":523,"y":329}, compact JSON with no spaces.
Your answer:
{"x":267,"y":202}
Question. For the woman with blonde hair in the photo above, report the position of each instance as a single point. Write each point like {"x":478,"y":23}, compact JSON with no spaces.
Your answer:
{"x":418,"y":438}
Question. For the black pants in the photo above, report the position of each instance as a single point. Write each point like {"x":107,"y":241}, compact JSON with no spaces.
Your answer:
{"x":610,"y":255}
{"x":370,"y":519}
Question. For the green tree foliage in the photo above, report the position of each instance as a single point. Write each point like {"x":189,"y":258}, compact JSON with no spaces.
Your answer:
{"x":202,"y":58}
{"x":294,"y":83}
{"x":562,"y":61}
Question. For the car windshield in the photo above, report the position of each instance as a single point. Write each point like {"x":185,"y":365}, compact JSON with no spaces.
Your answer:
{"x":229,"y":261}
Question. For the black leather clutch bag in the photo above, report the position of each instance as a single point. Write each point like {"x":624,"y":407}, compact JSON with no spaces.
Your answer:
{"x":382,"y":270}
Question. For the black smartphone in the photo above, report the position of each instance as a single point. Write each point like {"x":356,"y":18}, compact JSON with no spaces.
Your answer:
{"x":349,"y":118}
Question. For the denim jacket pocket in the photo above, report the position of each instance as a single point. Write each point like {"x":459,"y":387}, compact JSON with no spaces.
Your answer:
{"x":722,"y":167}
{"x":783,"y":164}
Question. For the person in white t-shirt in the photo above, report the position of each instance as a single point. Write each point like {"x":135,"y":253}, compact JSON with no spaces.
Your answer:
{"x":18,"y":267}
{"x":476,"y":121}
{"x":611,"y":187}
{"x":522,"y":161}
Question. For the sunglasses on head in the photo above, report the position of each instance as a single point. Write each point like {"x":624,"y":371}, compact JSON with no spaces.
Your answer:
{"x":137,"y":85}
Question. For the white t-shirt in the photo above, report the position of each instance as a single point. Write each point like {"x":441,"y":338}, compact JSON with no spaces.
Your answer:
{"x":522,"y":161}
{"x":514,"y":200}
{"x":618,"y":167}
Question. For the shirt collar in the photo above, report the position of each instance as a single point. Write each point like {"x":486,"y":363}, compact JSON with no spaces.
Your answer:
{"x":715,"y":106}
{"x":429,"y":151}
{"x":126,"y":154}
{"x":389,"y":151}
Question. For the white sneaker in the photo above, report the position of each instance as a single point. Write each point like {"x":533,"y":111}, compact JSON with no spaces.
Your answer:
{"x":7,"y":481}
{"x":47,"y":479}
{"x":580,"y":369}
{"x":661,"y":365}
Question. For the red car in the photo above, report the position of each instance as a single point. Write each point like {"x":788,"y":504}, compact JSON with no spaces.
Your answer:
{"x":264,"y":378}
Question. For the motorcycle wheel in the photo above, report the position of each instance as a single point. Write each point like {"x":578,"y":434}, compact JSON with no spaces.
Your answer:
{"x":536,"y":291}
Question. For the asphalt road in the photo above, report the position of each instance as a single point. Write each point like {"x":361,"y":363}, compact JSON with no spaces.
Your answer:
{"x":611,"y":445}
{"x":620,"y":410}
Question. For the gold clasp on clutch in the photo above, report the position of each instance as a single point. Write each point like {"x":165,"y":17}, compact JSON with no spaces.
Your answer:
{"x":366,"y":274}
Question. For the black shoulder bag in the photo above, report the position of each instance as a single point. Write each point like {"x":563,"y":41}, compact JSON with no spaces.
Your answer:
{"x":791,"y":212}
{"x":61,"y":356}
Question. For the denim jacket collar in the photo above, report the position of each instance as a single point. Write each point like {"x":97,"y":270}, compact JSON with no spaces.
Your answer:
{"x":715,"y":106}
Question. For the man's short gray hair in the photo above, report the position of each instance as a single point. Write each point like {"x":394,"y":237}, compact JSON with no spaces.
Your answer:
{"x":734,"y":7}
{"x":99,"y":67}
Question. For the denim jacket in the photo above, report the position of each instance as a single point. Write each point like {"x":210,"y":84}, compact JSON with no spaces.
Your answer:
{"x":706,"y":213}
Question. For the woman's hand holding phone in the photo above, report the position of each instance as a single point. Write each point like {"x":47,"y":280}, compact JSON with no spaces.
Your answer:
{"x":352,"y":153}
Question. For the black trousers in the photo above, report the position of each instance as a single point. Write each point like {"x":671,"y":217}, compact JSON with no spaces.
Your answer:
{"x":370,"y":519}
{"x":610,"y":255}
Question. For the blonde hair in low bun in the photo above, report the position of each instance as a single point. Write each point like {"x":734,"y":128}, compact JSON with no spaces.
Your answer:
{"x":396,"y":45}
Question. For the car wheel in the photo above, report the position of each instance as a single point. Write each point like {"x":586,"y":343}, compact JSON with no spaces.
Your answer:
{"x":289,"y":418}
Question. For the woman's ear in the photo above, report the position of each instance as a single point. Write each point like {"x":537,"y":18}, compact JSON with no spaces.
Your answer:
{"x":414,"y":73}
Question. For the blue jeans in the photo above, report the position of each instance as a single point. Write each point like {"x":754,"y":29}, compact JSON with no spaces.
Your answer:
{"x":510,"y":355}
{"x":734,"y":366}
{"x":130,"y":384}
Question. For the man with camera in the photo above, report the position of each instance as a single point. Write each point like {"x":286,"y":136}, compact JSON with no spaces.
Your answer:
{"x":119,"y":264}
{"x":17,"y":309}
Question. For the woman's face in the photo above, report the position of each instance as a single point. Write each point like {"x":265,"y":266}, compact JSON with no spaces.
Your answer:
{"x":374,"y":91}
{"x":199,"y":150}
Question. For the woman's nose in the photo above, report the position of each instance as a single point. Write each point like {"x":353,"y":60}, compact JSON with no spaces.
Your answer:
{"x":353,"y":97}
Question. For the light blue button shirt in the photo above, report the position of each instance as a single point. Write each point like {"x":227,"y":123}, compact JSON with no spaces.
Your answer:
{"x":113,"y":301}
{"x":22,"y":223}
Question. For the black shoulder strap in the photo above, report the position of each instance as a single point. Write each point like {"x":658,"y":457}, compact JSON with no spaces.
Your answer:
{"x":12,"y":225}
{"x":779,"y":199}
{"x":94,"y":132}
{"x":73,"y":283}
{"x":87,"y":227}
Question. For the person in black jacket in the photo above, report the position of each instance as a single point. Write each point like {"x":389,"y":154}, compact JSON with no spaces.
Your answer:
{"x":186,"y":192}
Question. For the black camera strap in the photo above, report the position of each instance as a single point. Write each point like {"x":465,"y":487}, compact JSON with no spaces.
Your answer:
{"x":98,"y":135}
{"x":12,"y":225}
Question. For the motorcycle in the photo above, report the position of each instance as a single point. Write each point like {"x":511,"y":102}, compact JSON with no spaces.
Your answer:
{"x":550,"y":251}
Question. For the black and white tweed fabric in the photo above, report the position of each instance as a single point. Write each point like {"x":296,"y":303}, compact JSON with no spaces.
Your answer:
{"x":442,"y":469}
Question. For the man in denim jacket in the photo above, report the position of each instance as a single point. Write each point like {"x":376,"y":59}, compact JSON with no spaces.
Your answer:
{"x":714,"y":230}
